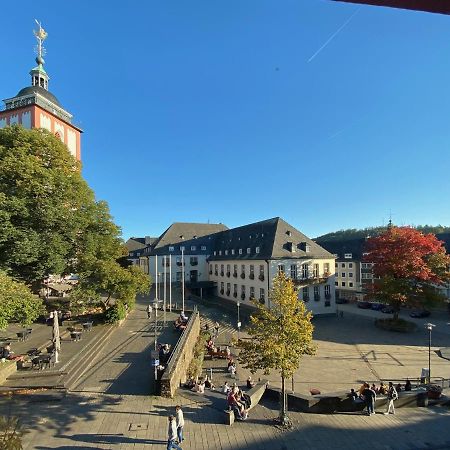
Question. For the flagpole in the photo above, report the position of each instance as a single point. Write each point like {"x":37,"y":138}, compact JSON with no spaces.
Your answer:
{"x":170,"y":283}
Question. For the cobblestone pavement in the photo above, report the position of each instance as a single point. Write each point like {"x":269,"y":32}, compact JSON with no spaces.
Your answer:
{"x":110,"y":406}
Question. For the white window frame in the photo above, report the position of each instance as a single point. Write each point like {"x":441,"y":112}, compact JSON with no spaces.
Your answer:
{"x":257,"y":250}
{"x":171,"y":248}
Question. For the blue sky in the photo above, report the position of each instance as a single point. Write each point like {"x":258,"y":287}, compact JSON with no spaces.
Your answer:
{"x":209,"y":110}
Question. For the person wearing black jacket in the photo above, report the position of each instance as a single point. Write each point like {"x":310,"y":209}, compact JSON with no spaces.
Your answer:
{"x":369,"y":397}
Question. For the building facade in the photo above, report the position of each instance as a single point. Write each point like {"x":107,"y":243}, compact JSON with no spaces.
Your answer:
{"x":239,"y":264}
{"x":35,"y":107}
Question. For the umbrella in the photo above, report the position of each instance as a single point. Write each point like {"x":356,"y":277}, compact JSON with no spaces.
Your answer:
{"x":56,"y":339}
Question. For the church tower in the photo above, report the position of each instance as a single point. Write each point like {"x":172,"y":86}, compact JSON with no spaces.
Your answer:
{"x":35,"y":107}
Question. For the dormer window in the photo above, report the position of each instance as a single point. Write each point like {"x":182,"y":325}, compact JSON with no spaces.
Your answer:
{"x":348,"y":256}
{"x":226,"y":252}
{"x":249,"y":250}
{"x":257,"y":250}
{"x":171,"y":249}
{"x":240,"y":251}
{"x":305,"y":247}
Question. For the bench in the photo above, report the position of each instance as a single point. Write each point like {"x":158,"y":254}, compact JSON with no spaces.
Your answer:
{"x":340,"y":401}
{"x":255,"y":394}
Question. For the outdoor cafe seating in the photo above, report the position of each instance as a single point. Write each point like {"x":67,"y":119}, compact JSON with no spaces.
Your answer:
{"x":87,"y":326}
{"x":42,"y":361}
{"x":24,"y":334}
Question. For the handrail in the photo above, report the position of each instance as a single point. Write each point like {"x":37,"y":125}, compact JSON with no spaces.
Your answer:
{"x":181,"y":340}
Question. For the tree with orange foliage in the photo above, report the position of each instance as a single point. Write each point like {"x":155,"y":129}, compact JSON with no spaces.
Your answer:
{"x":409,"y":267}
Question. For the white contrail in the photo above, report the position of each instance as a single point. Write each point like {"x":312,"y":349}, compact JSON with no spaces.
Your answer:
{"x":335,"y":34}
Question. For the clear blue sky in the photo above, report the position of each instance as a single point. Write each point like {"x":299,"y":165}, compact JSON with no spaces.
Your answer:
{"x":210,"y":110}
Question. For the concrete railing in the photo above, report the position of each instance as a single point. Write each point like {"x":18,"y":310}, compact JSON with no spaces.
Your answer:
{"x":181,"y":357}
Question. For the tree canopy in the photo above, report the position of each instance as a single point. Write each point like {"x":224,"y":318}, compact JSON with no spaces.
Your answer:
{"x":279,"y":335}
{"x":51,"y":223}
{"x":17,"y":303}
{"x":408,"y":266}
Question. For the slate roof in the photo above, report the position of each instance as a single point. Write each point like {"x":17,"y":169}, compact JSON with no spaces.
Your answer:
{"x":135,"y":243}
{"x":275,"y":238}
{"x":180,"y":232}
{"x":340,"y":248}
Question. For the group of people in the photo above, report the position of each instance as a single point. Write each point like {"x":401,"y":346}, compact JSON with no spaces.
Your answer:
{"x":175,"y":431}
{"x":7,"y":353}
{"x":199,"y":385}
{"x":164,"y":354}
{"x":368,"y":395}
{"x":237,"y":401}
{"x":181,"y":323}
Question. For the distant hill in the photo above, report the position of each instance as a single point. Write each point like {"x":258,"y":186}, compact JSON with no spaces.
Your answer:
{"x":353,"y":233}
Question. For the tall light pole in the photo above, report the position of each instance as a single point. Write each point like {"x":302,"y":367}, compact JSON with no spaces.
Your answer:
{"x":156,"y":276}
{"x":182,"y":275}
{"x":429,"y":326}
{"x":170,"y":283}
{"x":238,"y":304}
{"x":165,"y":286}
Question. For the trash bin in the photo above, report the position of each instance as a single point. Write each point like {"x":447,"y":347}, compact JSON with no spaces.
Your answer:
{"x":424,"y":375}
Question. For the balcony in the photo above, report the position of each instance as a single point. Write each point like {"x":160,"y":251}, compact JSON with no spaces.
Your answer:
{"x":235,"y":294}
{"x":261,"y":277}
{"x":252,"y":276}
{"x":222,"y":273}
{"x":210,"y":272}
{"x":179,"y":263}
{"x":235,"y":274}
{"x":262,"y":300}
{"x":243,"y":296}
{"x":252,"y":298}
{"x":222,"y":291}
{"x":309,"y":280}
{"x":228,"y":274}
{"x":228,"y":293}
{"x":216,"y":273}
{"x":194,"y":263}
{"x":242,"y":275}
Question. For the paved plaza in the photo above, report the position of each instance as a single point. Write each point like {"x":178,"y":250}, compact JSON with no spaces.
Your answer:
{"x":110,"y":406}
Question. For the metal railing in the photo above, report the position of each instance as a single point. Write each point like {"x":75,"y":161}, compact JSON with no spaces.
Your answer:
{"x":181,"y":341}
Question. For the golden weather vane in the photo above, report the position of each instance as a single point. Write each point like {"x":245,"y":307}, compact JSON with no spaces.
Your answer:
{"x":41,"y":36}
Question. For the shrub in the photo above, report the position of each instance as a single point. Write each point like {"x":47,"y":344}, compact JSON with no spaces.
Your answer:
{"x":399,"y":325}
{"x":195,"y":367}
{"x":115,"y":313}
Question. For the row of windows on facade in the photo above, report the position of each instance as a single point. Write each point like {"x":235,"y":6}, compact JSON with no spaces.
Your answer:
{"x":343,"y":274}
{"x":305,"y":270}
{"x":350,"y":265}
{"x":344,"y":284}
{"x":305,"y":292}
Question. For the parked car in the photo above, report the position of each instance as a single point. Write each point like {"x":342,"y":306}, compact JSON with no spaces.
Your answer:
{"x":377,"y":306}
{"x":388,"y":310}
{"x":341,"y":301}
{"x":420,"y":313}
{"x":364,"y":305}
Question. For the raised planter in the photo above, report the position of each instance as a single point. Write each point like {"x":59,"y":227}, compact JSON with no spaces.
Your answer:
{"x":398,"y":325}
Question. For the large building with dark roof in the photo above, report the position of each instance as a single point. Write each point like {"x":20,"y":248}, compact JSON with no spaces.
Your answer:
{"x":239,"y":264}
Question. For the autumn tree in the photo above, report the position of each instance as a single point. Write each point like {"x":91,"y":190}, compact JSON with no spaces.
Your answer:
{"x":409,"y":267}
{"x":279,"y":336}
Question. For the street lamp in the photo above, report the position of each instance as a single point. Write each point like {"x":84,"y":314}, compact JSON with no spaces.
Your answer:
{"x":429,"y":326}
{"x":238,"y":304}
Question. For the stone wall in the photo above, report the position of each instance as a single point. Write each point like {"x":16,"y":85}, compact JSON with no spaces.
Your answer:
{"x":7,"y":368}
{"x":178,"y":364}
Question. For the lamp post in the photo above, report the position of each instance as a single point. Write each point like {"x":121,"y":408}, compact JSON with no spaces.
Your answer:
{"x":238,"y":304}
{"x":429,"y":326}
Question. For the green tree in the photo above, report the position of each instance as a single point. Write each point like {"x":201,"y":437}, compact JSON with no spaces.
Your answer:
{"x":279,"y":336}
{"x":17,"y":303}
{"x":50,"y":222}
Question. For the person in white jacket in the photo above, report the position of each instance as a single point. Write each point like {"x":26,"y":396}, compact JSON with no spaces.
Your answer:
{"x":171,"y":435}
{"x":180,"y":423}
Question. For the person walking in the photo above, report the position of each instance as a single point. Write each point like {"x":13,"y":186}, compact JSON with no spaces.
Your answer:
{"x":392,"y":395}
{"x":180,"y":423}
{"x":149,"y":311}
{"x":171,"y":435}
{"x":369,"y":397}
{"x":216,"y":330}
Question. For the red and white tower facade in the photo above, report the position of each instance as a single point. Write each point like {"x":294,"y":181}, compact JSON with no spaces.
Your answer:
{"x":35,"y":107}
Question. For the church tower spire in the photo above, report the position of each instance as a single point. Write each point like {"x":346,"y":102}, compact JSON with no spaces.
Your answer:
{"x":39,"y":76}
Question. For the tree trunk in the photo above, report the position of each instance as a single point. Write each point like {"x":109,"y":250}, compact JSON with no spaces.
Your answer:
{"x":284,"y":419}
